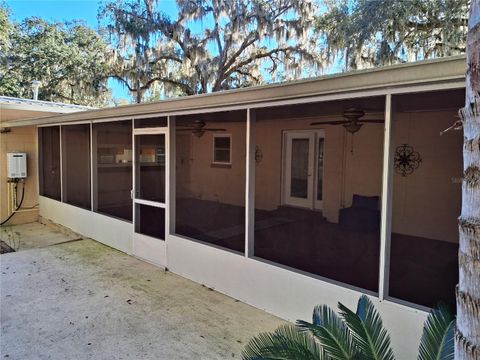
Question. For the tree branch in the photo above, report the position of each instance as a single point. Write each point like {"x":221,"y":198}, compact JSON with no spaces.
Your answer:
{"x":259,"y":56}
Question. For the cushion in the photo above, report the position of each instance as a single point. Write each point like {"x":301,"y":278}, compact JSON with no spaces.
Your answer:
{"x":365,"y":202}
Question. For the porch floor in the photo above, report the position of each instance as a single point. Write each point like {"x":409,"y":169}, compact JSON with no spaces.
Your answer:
{"x":83,"y":300}
{"x":35,"y":235}
{"x":422,"y":271}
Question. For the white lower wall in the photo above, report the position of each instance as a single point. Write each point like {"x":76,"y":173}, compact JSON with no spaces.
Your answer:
{"x":150,"y":249}
{"x":287,"y":294}
{"x":105,"y":229}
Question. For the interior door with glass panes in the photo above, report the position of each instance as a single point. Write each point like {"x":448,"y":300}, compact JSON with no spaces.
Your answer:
{"x":149,"y":194}
{"x":303,"y":175}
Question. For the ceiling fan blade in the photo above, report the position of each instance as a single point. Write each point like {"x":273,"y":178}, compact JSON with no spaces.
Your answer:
{"x":212,"y":129}
{"x":338,"y":122}
{"x":377,"y":121}
{"x":188,"y":129}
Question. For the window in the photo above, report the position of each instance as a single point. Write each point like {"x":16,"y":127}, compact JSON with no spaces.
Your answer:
{"x":76,"y":165}
{"x":112,"y":168}
{"x":49,"y":162}
{"x":222,"y":149}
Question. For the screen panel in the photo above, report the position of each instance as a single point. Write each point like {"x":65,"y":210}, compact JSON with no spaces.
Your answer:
{"x":210,"y":179}
{"x":49,"y":162}
{"x":76,"y":165}
{"x":112,"y":164}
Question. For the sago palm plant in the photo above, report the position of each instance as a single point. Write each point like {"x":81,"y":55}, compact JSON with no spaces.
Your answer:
{"x":349,"y":335}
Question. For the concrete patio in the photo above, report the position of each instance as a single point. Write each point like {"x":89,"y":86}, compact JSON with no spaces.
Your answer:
{"x":64,"y":299}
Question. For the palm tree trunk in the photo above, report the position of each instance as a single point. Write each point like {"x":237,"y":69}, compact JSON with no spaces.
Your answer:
{"x":467,"y":338}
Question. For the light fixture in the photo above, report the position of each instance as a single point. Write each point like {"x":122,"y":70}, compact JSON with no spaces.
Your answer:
{"x":352,"y":127}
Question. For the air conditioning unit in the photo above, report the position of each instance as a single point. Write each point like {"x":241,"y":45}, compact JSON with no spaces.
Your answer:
{"x":16,"y":165}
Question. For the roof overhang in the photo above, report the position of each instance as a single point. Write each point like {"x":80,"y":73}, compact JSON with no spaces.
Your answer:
{"x":419,"y":76}
{"x":15,"y":110}
{"x":41,"y":107}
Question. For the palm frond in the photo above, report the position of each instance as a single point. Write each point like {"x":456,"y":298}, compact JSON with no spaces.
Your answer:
{"x":367,"y":330}
{"x":437,"y":342}
{"x":332,"y":333}
{"x":285,"y":343}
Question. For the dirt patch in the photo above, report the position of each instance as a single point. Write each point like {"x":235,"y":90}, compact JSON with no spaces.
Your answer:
{"x":5,"y":248}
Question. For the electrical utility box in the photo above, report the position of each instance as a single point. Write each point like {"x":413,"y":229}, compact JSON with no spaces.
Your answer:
{"x":16,"y":165}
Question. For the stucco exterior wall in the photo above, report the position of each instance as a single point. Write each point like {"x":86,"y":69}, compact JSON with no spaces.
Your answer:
{"x":20,"y":139}
{"x":198,"y":177}
{"x":427,"y":203}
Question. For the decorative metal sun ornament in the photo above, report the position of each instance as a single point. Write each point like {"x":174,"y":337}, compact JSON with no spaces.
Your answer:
{"x":406,"y":160}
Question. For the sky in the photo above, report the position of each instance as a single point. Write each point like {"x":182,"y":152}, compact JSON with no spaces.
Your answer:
{"x":86,"y":10}
{"x":67,"y":10}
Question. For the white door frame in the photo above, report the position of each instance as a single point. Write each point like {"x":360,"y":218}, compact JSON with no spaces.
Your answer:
{"x":310,"y":201}
{"x":318,"y":204}
{"x":145,"y":247}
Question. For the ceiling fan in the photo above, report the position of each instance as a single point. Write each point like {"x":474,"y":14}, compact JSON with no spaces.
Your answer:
{"x":198,"y":128}
{"x":352,"y":121}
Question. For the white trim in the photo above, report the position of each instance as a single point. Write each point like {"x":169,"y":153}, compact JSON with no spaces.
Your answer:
{"x":134,"y":175}
{"x":351,"y":94}
{"x":150,"y":203}
{"x":93,"y":121}
{"x":37,"y":149}
{"x":209,"y":244}
{"x":407,"y":304}
{"x":334,"y":95}
{"x":229,"y":162}
{"x":288,"y":137}
{"x":113,"y":119}
{"x":92,"y":177}
{"x":150,"y":130}
{"x":386,"y":206}
{"x":169,"y":181}
{"x":170,"y":195}
{"x":66,"y":123}
{"x":450,"y":84}
{"x":147,"y":116}
{"x":250,"y":164}
{"x":146,"y":247}
{"x":61,"y":162}
{"x":318,"y":204}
